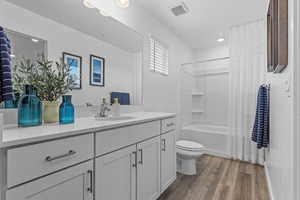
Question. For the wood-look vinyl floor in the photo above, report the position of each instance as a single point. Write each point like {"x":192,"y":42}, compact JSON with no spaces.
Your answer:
{"x":220,"y":179}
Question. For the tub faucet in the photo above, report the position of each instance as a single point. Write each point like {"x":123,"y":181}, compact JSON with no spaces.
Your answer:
{"x":104,"y":108}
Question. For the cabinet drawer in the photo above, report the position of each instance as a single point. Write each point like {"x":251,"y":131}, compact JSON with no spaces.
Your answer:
{"x":168,"y":125}
{"x":73,"y":183}
{"x":111,"y":140}
{"x":33,"y":161}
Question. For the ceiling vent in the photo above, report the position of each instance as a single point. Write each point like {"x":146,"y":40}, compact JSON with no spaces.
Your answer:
{"x":180,"y":9}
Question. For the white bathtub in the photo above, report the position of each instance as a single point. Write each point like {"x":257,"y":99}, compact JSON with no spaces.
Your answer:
{"x":213,"y":137}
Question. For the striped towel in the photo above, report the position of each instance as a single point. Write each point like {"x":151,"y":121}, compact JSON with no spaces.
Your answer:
{"x":6,"y":90}
{"x":260,"y":133}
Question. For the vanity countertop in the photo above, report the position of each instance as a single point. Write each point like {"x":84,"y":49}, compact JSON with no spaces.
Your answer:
{"x":15,"y":136}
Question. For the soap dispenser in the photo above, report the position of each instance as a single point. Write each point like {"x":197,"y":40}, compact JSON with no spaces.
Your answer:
{"x":115,"y":108}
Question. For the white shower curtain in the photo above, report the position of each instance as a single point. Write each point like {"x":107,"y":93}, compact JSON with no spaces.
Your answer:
{"x":248,"y":52}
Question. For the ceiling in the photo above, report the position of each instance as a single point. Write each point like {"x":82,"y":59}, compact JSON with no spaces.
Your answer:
{"x":85,"y":20}
{"x":207,"y":20}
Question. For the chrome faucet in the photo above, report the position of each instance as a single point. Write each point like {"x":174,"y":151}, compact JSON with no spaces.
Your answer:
{"x":104,"y":108}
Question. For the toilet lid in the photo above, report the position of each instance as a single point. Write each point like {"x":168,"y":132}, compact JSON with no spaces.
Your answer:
{"x":188,"y":145}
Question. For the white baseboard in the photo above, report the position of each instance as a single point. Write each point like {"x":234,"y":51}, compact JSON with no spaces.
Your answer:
{"x":269,"y":182}
{"x":217,"y":153}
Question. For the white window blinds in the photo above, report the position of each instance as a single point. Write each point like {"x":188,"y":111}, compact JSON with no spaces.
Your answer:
{"x":159,"y":57}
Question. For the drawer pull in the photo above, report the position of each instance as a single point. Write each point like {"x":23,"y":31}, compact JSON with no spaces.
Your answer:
{"x":164,"y":144}
{"x":90,"y":189}
{"x":70,"y":153}
{"x":141,"y":159}
{"x":170,"y":124}
{"x":135,"y":159}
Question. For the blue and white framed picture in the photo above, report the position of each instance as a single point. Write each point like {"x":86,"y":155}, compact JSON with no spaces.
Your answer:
{"x":75,"y":63}
{"x":97,"y":70}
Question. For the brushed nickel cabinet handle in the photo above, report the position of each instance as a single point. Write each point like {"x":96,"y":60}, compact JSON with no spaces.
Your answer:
{"x":141,"y":159}
{"x":90,"y":189}
{"x":135,"y":159}
{"x":164,"y":144}
{"x":170,"y":124}
{"x":50,"y":158}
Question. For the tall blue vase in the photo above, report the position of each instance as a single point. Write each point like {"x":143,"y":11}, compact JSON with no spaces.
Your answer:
{"x":29,"y":108}
{"x":66,"y":110}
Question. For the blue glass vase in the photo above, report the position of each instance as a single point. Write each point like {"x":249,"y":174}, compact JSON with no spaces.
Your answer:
{"x":66,"y":110}
{"x":12,"y":103}
{"x":29,"y":108}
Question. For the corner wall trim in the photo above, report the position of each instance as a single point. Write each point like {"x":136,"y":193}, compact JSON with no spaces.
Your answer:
{"x":269,"y":182}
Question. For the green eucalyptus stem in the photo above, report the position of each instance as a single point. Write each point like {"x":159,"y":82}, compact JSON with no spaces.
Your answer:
{"x":52,"y":80}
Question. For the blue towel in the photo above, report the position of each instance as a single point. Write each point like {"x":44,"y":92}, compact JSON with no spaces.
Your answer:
{"x":6,"y":90}
{"x":260,"y":133}
{"x":124,"y":98}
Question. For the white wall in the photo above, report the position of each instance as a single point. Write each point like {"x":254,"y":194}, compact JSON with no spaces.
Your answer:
{"x":296,"y":109}
{"x":280,"y":155}
{"x":120,"y":65}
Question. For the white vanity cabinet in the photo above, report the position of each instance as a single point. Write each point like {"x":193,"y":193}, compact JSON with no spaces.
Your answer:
{"x":141,"y":171}
{"x":33,"y":161}
{"x":115,"y":176}
{"x":131,"y":171}
{"x":168,"y":159}
{"x":148,"y":169}
{"x":135,"y":161}
{"x":75,"y":183}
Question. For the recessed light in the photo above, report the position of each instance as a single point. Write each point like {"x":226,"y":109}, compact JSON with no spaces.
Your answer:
{"x":103,"y":13}
{"x":123,"y":3}
{"x":34,"y":40}
{"x":87,"y":4}
{"x":221,"y":40}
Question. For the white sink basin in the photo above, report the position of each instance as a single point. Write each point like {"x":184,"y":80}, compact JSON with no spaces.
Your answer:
{"x":110,"y":118}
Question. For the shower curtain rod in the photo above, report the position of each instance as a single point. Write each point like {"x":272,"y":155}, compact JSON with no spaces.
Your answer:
{"x":205,"y":61}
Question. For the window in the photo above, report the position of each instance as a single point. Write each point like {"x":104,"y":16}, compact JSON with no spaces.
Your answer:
{"x":159,"y":57}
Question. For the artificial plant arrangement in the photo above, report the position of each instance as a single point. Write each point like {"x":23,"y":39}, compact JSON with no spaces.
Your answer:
{"x":24,"y":73}
{"x":51,"y":80}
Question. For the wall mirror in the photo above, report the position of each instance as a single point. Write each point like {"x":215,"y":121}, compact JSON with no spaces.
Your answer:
{"x":23,"y":48}
{"x":108,"y":54}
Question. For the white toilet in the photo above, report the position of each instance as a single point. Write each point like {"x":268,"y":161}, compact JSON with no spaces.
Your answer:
{"x":187,"y":154}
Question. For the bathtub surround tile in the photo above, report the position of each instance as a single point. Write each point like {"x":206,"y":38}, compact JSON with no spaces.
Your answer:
{"x":220,"y":179}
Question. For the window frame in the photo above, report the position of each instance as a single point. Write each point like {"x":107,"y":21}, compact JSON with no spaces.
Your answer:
{"x":152,"y":55}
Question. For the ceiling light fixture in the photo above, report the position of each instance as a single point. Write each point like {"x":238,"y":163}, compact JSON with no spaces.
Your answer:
{"x":34,"y":40}
{"x":88,"y":4}
{"x":103,"y":13}
{"x":221,"y":40}
{"x":12,"y":55}
{"x":123,"y":3}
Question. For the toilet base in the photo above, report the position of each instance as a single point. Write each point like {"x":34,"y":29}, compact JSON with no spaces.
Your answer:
{"x":186,"y":166}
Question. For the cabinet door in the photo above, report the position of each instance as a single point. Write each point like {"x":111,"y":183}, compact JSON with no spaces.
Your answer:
{"x":148,"y":176}
{"x":116,"y":175}
{"x":168,"y":160}
{"x":74,"y":183}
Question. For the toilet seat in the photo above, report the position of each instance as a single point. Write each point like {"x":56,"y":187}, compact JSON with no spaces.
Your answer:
{"x":189,"y":145}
